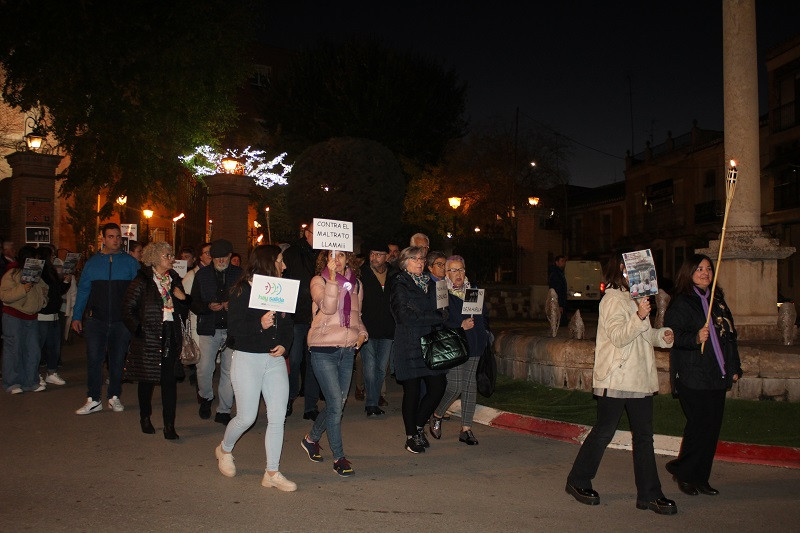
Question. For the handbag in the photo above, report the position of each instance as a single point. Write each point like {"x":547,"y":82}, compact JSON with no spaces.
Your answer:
{"x":190,"y":351}
{"x":444,"y":348}
{"x":486,"y":374}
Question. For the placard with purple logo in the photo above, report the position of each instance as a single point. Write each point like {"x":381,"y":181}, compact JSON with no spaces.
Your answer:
{"x":274,"y":294}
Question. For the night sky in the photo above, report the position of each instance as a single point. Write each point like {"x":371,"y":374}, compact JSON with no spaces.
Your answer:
{"x":568,"y":65}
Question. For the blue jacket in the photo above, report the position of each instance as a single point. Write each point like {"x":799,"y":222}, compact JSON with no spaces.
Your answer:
{"x":101,"y":289}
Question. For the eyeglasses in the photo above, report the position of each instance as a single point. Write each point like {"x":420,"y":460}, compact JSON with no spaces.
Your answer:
{"x":455,"y":270}
{"x":168,"y":256}
{"x":439,"y":264}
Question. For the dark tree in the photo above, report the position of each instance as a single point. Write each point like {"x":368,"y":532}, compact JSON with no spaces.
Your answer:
{"x":362,"y":88}
{"x":128,"y":86}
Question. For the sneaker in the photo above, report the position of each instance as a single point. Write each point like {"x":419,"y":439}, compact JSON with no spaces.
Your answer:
{"x":414,"y":445}
{"x":90,"y":407}
{"x":115,"y":405}
{"x":225,"y":462}
{"x":436,"y":427}
{"x":40,"y":387}
{"x":279,"y":482}
{"x":16,"y":389}
{"x":422,"y":438}
{"x":54,"y":379}
{"x":312,"y":449}
{"x":343,"y":468}
{"x":41,"y":380}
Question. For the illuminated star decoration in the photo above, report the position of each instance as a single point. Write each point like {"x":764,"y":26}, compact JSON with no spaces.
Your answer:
{"x":205,"y":161}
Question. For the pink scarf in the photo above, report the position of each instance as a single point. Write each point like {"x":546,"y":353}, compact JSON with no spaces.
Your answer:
{"x":348,"y":283}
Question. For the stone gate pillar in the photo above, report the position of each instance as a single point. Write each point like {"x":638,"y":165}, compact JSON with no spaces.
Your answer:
{"x":228,"y":204}
{"x":31,"y":196}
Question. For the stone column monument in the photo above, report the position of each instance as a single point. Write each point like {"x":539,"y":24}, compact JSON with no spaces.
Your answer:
{"x":31,"y":197}
{"x":749,"y":269}
{"x":228,"y":204}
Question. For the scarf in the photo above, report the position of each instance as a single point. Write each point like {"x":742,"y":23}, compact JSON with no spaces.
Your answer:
{"x":421,"y":280}
{"x":712,"y":333}
{"x":164,"y":282}
{"x":348,"y":283}
{"x":461,"y":292}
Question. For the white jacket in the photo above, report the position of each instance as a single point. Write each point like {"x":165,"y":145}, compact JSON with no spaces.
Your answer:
{"x":624,"y":359}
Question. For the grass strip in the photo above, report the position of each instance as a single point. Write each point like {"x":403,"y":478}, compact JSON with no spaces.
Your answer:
{"x":747,"y":421}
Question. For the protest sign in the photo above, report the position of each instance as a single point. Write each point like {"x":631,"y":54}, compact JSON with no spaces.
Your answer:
{"x":332,"y":235}
{"x":274,"y":294}
{"x":473,"y":302}
{"x":442,"y":299}
{"x":180,"y":266}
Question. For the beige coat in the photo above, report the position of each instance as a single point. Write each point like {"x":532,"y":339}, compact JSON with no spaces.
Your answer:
{"x":325,"y":328}
{"x":13,"y":294}
{"x":624,"y":359}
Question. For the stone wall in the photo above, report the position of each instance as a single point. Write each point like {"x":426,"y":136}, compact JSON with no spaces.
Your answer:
{"x":508,"y":301}
{"x":567,"y":364}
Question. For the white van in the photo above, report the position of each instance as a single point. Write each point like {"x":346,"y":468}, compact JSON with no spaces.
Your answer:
{"x":584,"y":281}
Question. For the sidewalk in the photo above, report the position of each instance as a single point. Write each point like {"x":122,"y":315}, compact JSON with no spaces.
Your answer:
{"x":734,"y":452}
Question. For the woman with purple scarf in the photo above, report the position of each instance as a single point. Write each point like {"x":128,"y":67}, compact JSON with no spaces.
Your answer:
{"x":336,"y":333}
{"x":700,"y":379}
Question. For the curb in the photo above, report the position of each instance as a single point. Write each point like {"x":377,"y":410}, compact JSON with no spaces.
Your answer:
{"x":735,"y":452}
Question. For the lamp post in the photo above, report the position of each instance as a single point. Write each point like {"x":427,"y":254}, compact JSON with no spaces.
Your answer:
{"x":269,"y":233}
{"x":455,"y":203}
{"x":210,"y":229}
{"x":174,"y":230}
{"x":148,"y":214}
{"x":34,"y":138}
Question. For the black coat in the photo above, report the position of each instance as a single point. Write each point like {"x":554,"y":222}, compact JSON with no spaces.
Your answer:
{"x":375,"y":311}
{"x":244,"y":326}
{"x":415,"y":315}
{"x":301,"y":263}
{"x":143,"y":315}
{"x":695,"y":370}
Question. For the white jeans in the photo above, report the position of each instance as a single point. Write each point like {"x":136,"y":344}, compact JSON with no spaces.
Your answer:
{"x":254,"y":375}
{"x":206,"y":366}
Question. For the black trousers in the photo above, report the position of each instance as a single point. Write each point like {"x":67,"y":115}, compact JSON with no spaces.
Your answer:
{"x":703,"y":410}
{"x":416,"y":410}
{"x":169,"y":385}
{"x":640,"y":416}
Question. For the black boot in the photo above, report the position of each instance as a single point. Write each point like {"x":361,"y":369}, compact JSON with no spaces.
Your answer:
{"x":147,"y":426}
{"x":169,"y":432}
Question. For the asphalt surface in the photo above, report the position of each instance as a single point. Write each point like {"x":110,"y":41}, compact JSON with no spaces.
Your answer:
{"x":64,"y":472}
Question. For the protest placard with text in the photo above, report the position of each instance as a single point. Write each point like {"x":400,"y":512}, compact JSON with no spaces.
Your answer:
{"x":274,"y":294}
{"x":473,"y":302}
{"x":332,"y":235}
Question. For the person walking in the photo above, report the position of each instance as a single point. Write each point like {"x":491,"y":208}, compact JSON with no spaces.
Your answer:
{"x":48,"y":318}
{"x":701,"y":375}
{"x":155,"y":304}
{"x":336,"y":333}
{"x":259,"y":340}
{"x":101,"y":291}
{"x":624,"y":378}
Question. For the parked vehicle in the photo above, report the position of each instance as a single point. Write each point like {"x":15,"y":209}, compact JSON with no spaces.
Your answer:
{"x":584,"y":281}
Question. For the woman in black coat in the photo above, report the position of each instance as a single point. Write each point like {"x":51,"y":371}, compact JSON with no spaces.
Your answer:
{"x":154,"y":307}
{"x":413,"y":305}
{"x":700,"y":379}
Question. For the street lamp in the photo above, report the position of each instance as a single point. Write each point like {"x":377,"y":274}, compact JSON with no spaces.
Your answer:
{"x":122,"y":200}
{"x":148,"y":214}
{"x":230,"y":165}
{"x":455,"y":203}
{"x":533,"y":201}
{"x":35,"y":138}
{"x":175,"y":220}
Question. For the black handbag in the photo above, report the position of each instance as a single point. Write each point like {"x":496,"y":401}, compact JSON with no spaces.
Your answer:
{"x":486,"y":374}
{"x":444,"y":348}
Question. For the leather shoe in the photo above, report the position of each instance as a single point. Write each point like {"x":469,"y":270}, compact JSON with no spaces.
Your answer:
{"x":672,"y":468}
{"x":705,"y":488}
{"x":147,"y":426}
{"x":660,"y":506}
{"x":205,"y":408}
{"x":169,"y":433}
{"x":467,"y":438}
{"x":688,"y":488}
{"x":585,"y":496}
{"x":435,"y":427}
{"x":311,"y":415}
{"x":371,"y":411}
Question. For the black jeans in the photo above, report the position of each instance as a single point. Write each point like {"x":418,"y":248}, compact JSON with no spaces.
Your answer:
{"x":169,"y":385}
{"x":703,"y":410}
{"x":640,"y":416}
{"x":416,"y":410}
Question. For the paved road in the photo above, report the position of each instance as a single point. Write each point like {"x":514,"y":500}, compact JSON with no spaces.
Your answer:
{"x":98,"y":472}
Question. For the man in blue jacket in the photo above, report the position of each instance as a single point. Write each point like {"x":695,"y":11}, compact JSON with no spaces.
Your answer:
{"x":101,"y":291}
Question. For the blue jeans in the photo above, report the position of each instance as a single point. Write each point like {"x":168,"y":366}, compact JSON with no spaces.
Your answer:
{"x":209,"y":345}
{"x":333,"y":371}
{"x":21,"y":353}
{"x":50,"y":343}
{"x":296,"y":353}
{"x":254,"y":375}
{"x":112,"y":338}
{"x":374,"y":358}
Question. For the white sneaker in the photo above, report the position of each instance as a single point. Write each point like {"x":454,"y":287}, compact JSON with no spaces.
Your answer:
{"x":40,"y":388}
{"x":279,"y":482}
{"x":115,"y":405}
{"x":54,"y":379}
{"x":16,"y":389}
{"x":225,"y":462}
{"x":90,"y":407}
{"x":41,"y":380}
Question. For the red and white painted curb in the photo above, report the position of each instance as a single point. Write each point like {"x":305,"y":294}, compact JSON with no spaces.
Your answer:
{"x":664,"y":444}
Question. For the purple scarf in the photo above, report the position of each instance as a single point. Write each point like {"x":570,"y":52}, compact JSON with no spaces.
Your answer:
{"x":712,"y":333}
{"x":348,"y":283}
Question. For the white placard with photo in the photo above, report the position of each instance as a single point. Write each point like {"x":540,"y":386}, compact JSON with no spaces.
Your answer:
{"x":274,"y":294}
{"x":332,"y":235}
{"x":71,"y":262}
{"x":473,"y":302}
{"x":180,"y":267}
{"x":130,"y":231}
{"x":442,"y":299}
